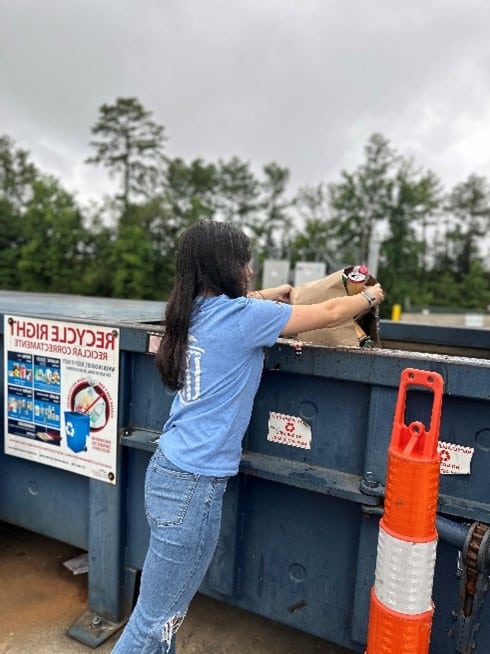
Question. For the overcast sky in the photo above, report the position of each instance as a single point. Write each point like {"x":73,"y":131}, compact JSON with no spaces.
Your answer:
{"x":303,"y":83}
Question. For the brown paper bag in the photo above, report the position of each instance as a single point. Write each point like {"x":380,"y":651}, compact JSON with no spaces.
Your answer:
{"x":353,"y":333}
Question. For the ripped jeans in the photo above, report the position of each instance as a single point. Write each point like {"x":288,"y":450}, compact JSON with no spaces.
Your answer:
{"x":184,"y":513}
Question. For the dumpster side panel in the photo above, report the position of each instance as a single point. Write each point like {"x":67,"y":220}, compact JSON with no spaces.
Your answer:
{"x":284,"y":552}
{"x":149,"y":400}
{"x":40,"y":498}
{"x":336,"y":412}
{"x":294,"y":558}
{"x":45,"y":500}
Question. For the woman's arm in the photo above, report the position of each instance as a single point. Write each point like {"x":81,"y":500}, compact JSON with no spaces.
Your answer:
{"x":333,"y":312}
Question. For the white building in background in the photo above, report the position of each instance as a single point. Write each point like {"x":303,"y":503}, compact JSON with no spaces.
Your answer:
{"x":275,"y":272}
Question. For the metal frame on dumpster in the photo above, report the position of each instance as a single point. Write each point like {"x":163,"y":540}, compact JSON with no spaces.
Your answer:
{"x":300,"y":525}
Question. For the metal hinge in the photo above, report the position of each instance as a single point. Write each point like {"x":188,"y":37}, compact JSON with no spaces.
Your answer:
{"x":472,"y":590}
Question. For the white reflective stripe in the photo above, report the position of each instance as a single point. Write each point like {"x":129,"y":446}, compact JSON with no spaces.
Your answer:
{"x":404,"y":574}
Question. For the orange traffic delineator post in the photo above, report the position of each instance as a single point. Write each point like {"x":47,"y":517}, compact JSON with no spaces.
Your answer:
{"x":401,"y":607}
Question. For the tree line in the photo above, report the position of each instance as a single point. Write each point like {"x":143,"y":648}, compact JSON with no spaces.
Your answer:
{"x":429,"y":242}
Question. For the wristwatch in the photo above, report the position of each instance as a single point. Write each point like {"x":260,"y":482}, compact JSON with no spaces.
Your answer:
{"x":370,"y":298}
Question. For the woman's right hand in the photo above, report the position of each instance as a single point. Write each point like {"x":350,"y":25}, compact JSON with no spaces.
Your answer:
{"x":377,"y":292}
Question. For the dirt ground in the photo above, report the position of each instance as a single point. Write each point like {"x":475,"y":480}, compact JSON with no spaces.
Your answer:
{"x":40,"y":599}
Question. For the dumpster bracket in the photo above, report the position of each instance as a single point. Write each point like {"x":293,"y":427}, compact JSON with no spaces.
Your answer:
{"x":473,"y":588}
{"x":92,"y":630}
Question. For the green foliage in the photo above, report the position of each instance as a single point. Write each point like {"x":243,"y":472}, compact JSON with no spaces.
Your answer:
{"x":131,"y":146}
{"x":475,"y":287}
{"x":364,"y":198}
{"x":10,"y":239}
{"x":238,"y":192}
{"x":53,"y":254}
{"x":318,"y":240}
{"x":272,"y":227}
{"x":430,"y":243}
{"x":402,"y":269}
{"x":132,"y":265}
{"x":190,"y":191}
{"x":97,"y":277}
{"x":469,"y":203}
{"x":17,"y":174}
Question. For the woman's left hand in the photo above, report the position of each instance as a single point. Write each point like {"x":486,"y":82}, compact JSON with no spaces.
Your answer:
{"x":282,"y":293}
{"x":277,"y":294}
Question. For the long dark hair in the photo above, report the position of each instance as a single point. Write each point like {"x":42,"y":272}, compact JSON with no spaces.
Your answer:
{"x":211,"y":259}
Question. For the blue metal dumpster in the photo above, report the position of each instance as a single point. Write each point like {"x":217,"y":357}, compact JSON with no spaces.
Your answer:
{"x":300,"y":523}
{"x":299,"y":535}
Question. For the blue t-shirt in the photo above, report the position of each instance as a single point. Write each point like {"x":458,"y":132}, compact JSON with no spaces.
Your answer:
{"x":224,"y":361}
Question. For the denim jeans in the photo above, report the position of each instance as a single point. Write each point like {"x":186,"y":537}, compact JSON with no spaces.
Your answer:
{"x":184,"y":514}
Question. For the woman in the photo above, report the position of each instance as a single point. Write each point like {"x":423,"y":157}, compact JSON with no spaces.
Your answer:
{"x":212,"y":355}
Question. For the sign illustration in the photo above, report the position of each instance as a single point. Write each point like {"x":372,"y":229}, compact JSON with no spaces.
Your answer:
{"x":61,"y":390}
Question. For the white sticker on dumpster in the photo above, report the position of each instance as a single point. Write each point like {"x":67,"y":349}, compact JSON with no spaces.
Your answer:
{"x":455,"y":459}
{"x":61,"y":393}
{"x":289,"y":430}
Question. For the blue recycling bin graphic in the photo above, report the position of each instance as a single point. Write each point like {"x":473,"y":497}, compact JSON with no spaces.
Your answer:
{"x":77,"y":430}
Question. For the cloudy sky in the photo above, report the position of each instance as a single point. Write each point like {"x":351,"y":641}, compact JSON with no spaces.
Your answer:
{"x":303,"y":83}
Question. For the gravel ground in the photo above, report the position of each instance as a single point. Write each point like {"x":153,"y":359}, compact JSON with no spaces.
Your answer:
{"x":40,"y":599}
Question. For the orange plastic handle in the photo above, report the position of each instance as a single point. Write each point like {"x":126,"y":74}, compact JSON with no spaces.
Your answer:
{"x":415,"y":439}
